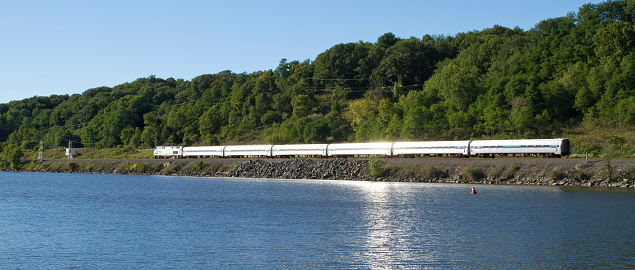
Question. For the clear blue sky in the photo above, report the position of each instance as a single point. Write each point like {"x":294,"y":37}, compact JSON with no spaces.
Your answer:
{"x":66,"y":47}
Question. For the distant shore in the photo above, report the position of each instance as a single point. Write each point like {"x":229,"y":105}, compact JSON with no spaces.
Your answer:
{"x":499,"y":171}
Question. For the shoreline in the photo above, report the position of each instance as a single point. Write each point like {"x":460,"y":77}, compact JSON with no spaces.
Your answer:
{"x":497,"y":171}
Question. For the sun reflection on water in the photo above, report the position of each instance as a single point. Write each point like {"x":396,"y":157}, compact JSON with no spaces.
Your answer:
{"x":390,"y":239}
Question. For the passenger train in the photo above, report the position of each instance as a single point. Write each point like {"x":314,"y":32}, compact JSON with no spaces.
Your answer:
{"x":481,"y":148}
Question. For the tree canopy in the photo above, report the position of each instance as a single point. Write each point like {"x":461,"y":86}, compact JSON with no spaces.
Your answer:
{"x":575,"y":70}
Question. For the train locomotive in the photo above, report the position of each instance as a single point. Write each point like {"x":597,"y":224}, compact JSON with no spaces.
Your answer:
{"x":481,"y":148}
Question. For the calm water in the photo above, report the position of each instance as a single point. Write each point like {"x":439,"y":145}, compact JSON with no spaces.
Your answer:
{"x":61,"y":221}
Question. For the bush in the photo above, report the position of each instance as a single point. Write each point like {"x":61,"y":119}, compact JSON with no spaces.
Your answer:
{"x":505,"y":173}
{"x":126,"y":167}
{"x":496,"y":173}
{"x":32,"y":165}
{"x":377,"y":167}
{"x":198,"y":166}
{"x":511,"y":172}
{"x":215,"y":167}
{"x":194,"y":167}
{"x":556,"y":175}
{"x":142,"y":167}
{"x":580,"y":175}
{"x":432,"y":173}
{"x":627,"y":174}
{"x":29,"y":144}
{"x":72,"y":166}
{"x":607,"y":173}
{"x":233,"y":168}
{"x":172,"y":168}
{"x":472,"y":174}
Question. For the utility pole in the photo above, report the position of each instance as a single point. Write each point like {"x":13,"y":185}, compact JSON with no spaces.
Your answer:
{"x":40,"y":155}
{"x":70,"y":149}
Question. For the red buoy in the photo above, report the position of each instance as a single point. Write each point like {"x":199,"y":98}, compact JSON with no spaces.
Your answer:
{"x":473,"y":190}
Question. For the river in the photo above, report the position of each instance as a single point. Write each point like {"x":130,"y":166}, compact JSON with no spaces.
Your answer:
{"x":62,"y":221}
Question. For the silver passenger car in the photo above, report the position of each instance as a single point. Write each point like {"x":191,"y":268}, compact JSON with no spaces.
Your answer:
{"x":299,"y":150}
{"x":203,"y":151}
{"x":449,"y":148}
{"x":359,"y":149}
{"x":260,"y":150}
{"x":544,"y":147}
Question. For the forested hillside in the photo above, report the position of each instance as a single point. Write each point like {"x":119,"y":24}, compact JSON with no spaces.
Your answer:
{"x":572,"y":75}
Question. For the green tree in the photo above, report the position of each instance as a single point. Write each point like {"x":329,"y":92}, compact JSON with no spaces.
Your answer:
{"x":317,"y":131}
{"x":13,"y":155}
{"x":387,"y":40}
{"x":408,"y":62}
{"x":615,"y":40}
{"x":343,"y":65}
{"x":457,"y":82}
{"x":211,"y":121}
{"x":149,"y":136}
{"x":302,"y":105}
{"x":521,"y":116}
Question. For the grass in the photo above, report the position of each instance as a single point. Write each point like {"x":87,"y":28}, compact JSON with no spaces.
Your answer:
{"x":133,"y":167}
{"x":91,"y":153}
{"x":599,"y":141}
{"x":129,"y":166}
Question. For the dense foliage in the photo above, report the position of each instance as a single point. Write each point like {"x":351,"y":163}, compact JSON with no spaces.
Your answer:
{"x":567,"y":72}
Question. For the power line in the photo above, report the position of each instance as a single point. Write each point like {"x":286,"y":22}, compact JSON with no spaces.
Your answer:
{"x":76,"y":125}
{"x":324,"y":79}
{"x":385,"y":89}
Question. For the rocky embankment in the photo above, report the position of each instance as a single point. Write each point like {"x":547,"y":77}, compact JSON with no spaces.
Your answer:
{"x":504,"y":171}
{"x":333,"y":169}
{"x":501,"y":171}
